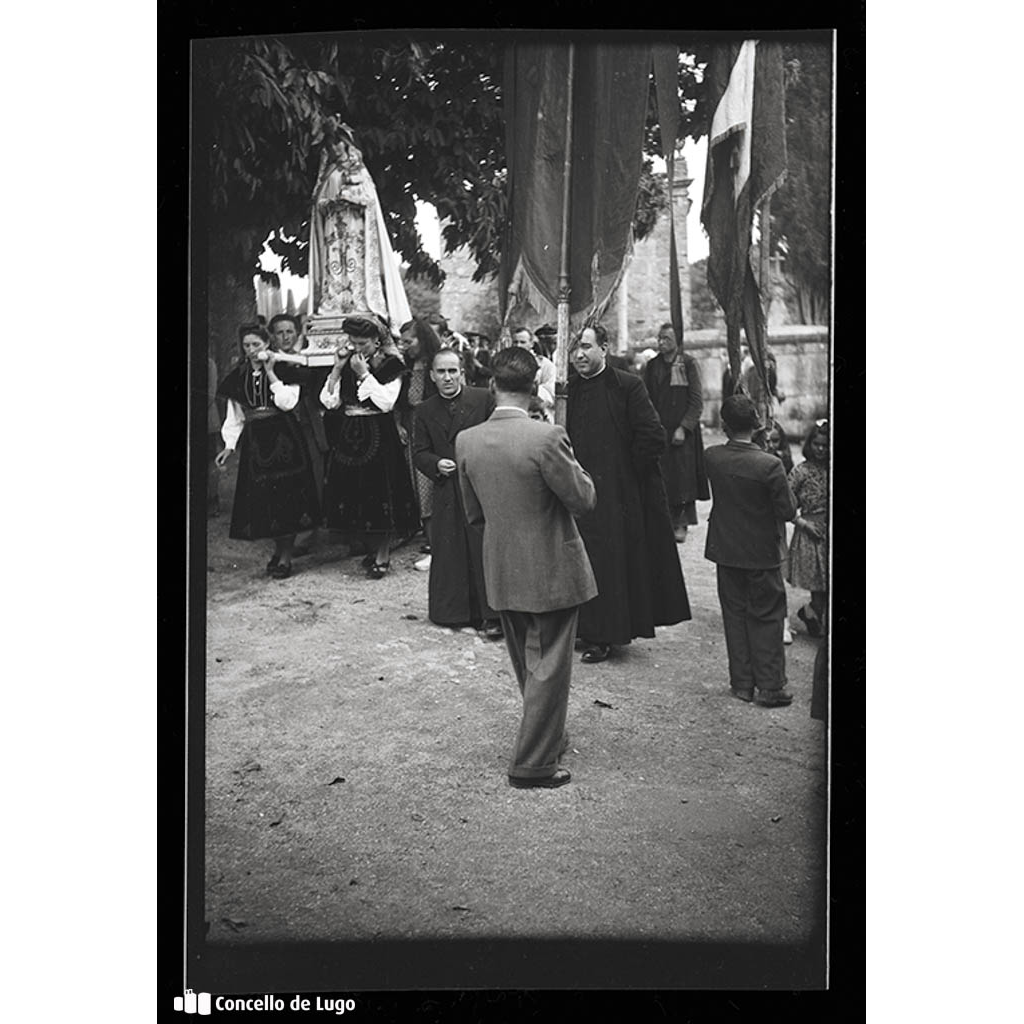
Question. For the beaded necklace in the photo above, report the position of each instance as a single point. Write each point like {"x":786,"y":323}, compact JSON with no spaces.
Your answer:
{"x":254,"y":387}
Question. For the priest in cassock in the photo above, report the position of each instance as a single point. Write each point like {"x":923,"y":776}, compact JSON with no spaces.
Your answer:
{"x":618,"y":438}
{"x":674,"y":384}
{"x":456,"y":593}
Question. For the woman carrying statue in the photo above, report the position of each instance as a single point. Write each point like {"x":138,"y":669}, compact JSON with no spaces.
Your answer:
{"x":367,"y":490}
{"x":276,"y":491}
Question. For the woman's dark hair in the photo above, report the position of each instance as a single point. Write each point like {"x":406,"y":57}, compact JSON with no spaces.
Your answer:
{"x":365,"y":325}
{"x":821,"y":427}
{"x":513,"y":370}
{"x":430,"y":343}
{"x":254,"y":328}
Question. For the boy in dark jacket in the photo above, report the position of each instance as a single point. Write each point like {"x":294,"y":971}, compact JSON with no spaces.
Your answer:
{"x":752,"y":502}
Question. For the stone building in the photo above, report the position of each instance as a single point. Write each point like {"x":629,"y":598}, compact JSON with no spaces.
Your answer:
{"x":639,"y":307}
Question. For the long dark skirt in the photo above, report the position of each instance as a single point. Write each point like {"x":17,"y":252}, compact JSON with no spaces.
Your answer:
{"x":367,"y":487}
{"x":276,"y":493}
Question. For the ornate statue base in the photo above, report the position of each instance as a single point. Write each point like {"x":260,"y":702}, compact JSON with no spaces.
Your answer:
{"x":323,"y":337}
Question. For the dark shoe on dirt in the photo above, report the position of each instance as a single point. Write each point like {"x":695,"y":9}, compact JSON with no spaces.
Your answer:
{"x":747,"y":696}
{"x":773,"y":698}
{"x":560,"y":778}
{"x":599,"y":652}
{"x":810,"y":621}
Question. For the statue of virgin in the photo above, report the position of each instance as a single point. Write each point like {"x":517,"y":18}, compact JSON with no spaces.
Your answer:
{"x":352,"y":266}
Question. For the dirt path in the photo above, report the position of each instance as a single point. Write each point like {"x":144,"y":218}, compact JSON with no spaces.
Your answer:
{"x":356,"y":786}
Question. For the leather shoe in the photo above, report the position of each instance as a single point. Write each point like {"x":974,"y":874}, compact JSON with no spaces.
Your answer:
{"x":560,"y":778}
{"x":599,"y":652}
{"x":773,"y":698}
{"x":281,"y":572}
{"x":812,"y":623}
{"x":746,"y":696}
{"x":492,"y":630}
{"x":272,"y":565}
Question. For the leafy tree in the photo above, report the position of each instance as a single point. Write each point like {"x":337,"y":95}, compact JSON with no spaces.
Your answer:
{"x":801,"y":220}
{"x":427,"y":115}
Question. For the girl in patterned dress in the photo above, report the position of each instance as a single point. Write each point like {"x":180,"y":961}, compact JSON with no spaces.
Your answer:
{"x":807,"y":565}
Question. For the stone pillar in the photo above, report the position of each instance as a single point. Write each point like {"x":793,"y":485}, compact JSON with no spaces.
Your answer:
{"x":622,"y":308}
{"x":681,"y":203}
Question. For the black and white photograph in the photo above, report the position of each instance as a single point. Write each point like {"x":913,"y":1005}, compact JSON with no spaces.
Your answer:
{"x":514,"y":438}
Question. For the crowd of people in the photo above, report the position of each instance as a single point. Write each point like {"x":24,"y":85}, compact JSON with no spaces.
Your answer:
{"x":553,"y":538}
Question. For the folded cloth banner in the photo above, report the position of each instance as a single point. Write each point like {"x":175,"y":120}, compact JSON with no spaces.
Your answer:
{"x":610,"y":85}
{"x":746,"y":164}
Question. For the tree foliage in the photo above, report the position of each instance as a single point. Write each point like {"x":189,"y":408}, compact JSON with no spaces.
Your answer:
{"x":426,"y":113}
{"x":801,"y":218}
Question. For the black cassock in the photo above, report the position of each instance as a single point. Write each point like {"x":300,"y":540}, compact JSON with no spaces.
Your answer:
{"x":617,"y":438}
{"x":456,"y":592}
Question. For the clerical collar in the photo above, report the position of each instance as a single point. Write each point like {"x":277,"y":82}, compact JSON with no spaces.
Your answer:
{"x":452,"y":399}
{"x":593,"y":375}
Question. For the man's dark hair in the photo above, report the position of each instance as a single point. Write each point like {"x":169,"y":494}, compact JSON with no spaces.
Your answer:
{"x":448,"y":352}
{"x":279,"y":317}
{"x":739,"y":414}
{"x":600,"y":334}
{"x":513,"y":370}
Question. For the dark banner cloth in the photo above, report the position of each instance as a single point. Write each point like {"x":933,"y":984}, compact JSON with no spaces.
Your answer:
{"x":610,"y":85}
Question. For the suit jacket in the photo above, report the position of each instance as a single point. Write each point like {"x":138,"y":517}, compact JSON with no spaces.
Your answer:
{"x":752,"y":502}
{"x":521,"y":481}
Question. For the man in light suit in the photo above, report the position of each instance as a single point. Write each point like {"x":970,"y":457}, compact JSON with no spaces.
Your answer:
{"x":522,"y":483}
{"x":752,"y":502}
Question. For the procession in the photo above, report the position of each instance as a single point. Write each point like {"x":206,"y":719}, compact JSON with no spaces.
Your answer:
{"x":517,"y":587}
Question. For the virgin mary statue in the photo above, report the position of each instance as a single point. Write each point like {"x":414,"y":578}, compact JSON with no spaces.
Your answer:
{"x":352,"y":266}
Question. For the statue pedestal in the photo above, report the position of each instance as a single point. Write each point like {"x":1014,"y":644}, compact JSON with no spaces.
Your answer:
{"x":323,"y":338}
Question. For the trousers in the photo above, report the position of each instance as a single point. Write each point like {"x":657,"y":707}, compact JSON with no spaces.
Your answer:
{"x":753,"y":612}
{"x":540,"y":645}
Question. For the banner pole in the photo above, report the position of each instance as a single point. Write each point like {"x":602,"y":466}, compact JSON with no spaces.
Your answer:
{"x":564,"y":286}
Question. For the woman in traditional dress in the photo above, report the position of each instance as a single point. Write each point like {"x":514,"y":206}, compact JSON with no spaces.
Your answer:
{"x":367,"y":489}
{"x":421,"y":344}
{"x":276,"y":492}
{"x":807,"y":566}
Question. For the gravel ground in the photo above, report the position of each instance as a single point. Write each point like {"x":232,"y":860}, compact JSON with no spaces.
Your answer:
{"x":356,"y":788}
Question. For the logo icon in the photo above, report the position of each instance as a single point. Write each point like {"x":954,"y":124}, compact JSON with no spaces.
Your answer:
{"x":193,"y":1002}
